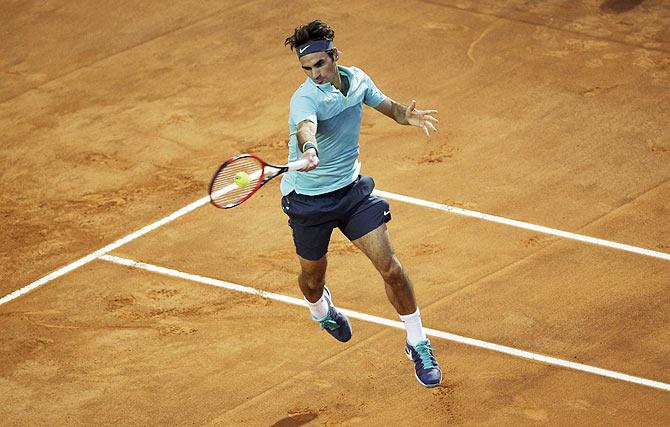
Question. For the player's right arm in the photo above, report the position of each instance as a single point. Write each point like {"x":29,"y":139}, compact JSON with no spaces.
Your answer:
{"x":306,"y":135}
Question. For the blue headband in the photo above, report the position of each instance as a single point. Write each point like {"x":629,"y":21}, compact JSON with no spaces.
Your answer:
{"x":312,"y":46}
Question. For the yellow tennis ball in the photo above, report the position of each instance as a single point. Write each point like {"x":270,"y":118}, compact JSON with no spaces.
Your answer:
{"x":242,"y":179}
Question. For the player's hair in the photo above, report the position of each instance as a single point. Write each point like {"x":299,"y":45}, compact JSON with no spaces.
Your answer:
{"x":315,"y":30}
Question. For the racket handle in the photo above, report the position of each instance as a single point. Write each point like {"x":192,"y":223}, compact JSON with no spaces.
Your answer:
{"x":298,"y":164}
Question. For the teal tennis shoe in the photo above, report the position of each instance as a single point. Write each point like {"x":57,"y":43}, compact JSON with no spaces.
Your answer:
{"x":426,"y":369}
{"x":335,"y":323}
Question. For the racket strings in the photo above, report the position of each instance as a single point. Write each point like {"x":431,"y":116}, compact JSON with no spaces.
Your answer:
{"x":226,"y":192}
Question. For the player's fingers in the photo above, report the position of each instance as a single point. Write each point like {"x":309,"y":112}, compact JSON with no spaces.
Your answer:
{"x":429,"y":111}
{"x":412,"y":106}
{"x":425,"y":129}
{"x":431,"y":119}
{"x":430,"y":125}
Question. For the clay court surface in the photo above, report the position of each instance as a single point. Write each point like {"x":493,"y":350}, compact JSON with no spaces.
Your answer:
{"x":553,"y":113}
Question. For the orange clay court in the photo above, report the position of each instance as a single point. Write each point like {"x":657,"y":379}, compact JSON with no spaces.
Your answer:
{"x":553,"y":118}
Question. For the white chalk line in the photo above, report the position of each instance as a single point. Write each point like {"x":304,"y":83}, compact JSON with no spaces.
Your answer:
{"x":392,"y":323}
{"x":525,"y":225}
{"x":112,"y":246}
{"x":90,"y":257}
{"x":406,"y":199}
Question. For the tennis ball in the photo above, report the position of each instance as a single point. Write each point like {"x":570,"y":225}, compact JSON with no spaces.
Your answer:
{"x":242,"y":179}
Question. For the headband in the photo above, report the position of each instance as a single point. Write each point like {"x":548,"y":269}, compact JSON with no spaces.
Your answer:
{"x":312,"y":46}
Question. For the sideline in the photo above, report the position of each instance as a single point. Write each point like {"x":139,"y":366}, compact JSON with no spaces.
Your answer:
{"x":392,"y":323}
{"x":526,"y":225}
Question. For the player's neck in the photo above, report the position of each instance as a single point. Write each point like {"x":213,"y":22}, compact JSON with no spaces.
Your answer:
{"x":341,"y":83}
{"x":338,"y":81}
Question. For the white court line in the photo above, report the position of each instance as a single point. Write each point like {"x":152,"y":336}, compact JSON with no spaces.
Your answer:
{"x":90,"y":257}
{"x":115,"y":245}
{"x":526,"y":225}
{"x":392,"y":323}
{"x":203,"y":201}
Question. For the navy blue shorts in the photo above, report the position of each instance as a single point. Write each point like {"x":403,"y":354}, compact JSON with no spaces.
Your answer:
{"x":353,"y":209}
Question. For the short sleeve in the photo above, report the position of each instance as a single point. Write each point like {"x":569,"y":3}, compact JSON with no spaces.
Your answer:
{"x":302,"y":108}
{"x":373,"y":96}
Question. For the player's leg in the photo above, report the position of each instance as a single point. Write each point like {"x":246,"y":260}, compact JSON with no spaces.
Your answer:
{"x":311,"y":236}
{"x":376,"y":245}
{"x":312,"y":226}
{"x":312,"y":282}
{"x":312,"y":278}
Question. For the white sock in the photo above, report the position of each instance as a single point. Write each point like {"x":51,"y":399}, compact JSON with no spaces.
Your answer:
{"x":415,"y":332}
{"x":318,"y":309}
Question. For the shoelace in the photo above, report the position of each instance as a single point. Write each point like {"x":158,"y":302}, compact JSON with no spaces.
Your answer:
{"x":426,"y":354}
{"x":328,"y":323}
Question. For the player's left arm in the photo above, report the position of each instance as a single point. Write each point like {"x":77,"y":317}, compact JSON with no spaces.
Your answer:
{"x":408,"y":115}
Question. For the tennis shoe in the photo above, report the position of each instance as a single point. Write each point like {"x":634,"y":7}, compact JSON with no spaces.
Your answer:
{"x":335,"y":323}
{"x":426,"y":369}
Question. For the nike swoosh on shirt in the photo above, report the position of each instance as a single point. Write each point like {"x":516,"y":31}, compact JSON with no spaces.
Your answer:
{"x":386,"y":212}
{"x":303,"y":49}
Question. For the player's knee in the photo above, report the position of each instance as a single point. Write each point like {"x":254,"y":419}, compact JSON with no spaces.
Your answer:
{"x":392,"y":272}
{"x":313,"y":279}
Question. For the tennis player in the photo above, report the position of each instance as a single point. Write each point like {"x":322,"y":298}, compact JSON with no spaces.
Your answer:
{"x":324,"y":123}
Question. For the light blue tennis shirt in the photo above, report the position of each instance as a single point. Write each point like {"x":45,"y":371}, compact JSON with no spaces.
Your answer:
{"x":338,"y":120}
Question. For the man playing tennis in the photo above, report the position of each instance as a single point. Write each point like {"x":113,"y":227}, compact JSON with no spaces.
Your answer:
{"x":324,"y":123}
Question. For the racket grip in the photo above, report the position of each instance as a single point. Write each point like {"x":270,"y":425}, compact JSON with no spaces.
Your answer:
{"x":298,"y":164}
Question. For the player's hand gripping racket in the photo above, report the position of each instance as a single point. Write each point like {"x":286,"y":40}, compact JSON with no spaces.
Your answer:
{"x":239,"y":178}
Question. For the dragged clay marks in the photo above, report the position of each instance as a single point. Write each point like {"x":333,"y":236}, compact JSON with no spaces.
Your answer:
{"x":97,"y":159}
{"x":26,"y":346}
{"x":267,"y":146}
{"x":655,"y":65}
{"x":271,"y":149}
{"x":659,"y":146}
{"x":426,"y":249}
{"x":21,"y":351}
{"x":164,"y":320}
{"x":342,"y":247}
{"x":440,"y":154}
{"x":27,"y":357}
{"x":367,"y":128}
{"x":597,"y":90}
{"x":272,"y":260}
{"x":536,"y":241}
{"x":444,"y":396}
{"x":170,"y":312}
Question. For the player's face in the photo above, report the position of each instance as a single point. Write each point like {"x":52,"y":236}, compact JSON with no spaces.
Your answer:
{"x":320,"y":67}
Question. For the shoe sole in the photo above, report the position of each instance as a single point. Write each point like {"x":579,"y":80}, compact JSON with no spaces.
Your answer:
{"x":417,"y":377}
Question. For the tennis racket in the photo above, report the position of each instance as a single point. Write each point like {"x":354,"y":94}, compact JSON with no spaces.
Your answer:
{"x":238,"y":178}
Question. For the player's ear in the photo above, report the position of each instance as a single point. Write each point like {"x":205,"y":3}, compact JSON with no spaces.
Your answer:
{"x":336,"y":54}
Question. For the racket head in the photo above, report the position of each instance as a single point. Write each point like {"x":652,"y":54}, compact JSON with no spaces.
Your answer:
{"x":224,"y":192}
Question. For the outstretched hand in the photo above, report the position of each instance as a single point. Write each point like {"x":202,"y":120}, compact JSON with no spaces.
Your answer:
{"x":421,"y":118}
